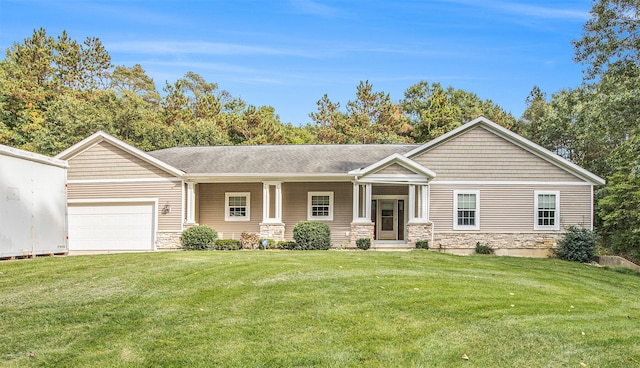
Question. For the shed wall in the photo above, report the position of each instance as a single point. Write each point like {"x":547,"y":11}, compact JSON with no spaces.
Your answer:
{"x":32,"y":208}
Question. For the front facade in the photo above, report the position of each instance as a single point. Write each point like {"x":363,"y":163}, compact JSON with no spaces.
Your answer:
{"x":478,"y":183}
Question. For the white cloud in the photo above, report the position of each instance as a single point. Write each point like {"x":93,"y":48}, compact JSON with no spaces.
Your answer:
{"x":314,"y":8}
{"x":528,"y":10}
{"x":198,"y":47}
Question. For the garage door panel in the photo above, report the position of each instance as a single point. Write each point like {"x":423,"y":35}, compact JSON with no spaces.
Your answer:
{"x":111,"y":227}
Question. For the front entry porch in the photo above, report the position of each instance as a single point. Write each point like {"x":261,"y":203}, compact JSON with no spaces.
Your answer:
{"x":397,"y":215}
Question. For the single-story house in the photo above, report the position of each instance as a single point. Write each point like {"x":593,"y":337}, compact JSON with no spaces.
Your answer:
{"x":478,"y":183}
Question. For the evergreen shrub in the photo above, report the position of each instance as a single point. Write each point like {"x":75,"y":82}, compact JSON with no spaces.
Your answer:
{"x":310,"y":235}
{"x":200,"y":237}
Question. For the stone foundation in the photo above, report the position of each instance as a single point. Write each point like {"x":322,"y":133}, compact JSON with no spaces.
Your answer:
{"x":168,"y":240}
{"x":505,"y":244}
{"x":273,"y":231}
{"x":361,"y":230}
{"x":419,"y":231}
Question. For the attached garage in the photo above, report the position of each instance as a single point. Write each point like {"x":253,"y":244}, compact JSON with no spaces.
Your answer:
{"x":112,"y":226}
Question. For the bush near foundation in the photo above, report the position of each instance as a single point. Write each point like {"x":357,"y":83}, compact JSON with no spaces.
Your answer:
{"x":227,"y":244}
{"x":578,"y":245}
{"x":200,"y":237}
{"x":363,"y":243}
{"x":484,"y":248}
{"x":310,"y":235}
{"x":422,"y":244}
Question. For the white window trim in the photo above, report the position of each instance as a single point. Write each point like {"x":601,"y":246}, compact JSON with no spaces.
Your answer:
{"x":455,"y":210}
{"x":309,"y":210}
{"x":556,"y":226}
{"x":226,"y":206}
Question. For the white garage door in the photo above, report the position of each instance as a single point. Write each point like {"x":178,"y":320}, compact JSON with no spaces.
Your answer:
{"x":111,"y":227}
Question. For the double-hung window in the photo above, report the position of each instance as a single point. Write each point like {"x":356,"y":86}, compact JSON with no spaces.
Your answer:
{"x":547,"y":210}
{"x":466,"y":210}
{"x":237,"y":206}
{"x":320,"y":206}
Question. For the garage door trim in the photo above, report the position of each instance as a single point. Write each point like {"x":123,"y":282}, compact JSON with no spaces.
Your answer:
{"x":124,"y":201}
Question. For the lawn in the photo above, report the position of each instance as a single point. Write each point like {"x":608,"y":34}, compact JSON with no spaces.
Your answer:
{"x":320,"y":308}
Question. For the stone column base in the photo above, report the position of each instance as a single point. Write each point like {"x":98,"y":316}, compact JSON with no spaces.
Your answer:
{"x":273,"y":231}
{"x":361,"y":230}
{"x":168,"y":240}
{"x":419,"y":231}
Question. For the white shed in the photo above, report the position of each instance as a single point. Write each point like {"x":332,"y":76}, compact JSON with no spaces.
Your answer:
{"x":33,"y":204}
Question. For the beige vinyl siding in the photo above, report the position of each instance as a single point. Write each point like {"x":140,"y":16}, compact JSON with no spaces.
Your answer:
{"x":395,"y":169}
{"x":106,"y":161}
{"x":510,"y":208}
{"x":294,"y":198}
{"x":166,"y":192}
{"x":479,"y":154}
{"x":211,"y":208}
{"x":400,"y":190}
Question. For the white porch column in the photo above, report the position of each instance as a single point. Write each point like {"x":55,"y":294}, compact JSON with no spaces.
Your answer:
{"x":367,"y":204}
{"x":412,"y":203}
{"x":356,"y":201}
{"x":266,"y":202}
{"x":191,"y":203}
{"x":424,"y":200}
{"x":418,"y":203}
{"x":357,"y":205}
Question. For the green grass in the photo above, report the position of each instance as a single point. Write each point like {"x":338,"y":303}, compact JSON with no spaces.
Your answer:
{"x":324,"y":309}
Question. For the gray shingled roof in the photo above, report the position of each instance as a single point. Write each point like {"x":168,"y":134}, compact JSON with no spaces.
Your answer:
{"x":301,"y":159}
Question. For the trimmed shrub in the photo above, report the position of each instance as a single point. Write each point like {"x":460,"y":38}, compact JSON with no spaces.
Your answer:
{"x":200,"y":237}
{"x":227,"y":244}
{"x":484,"y":248}
{"x":312,"y":235}
{"x":422,"y":244}
{"x":578,"y":245}
{"x":288,"y":245}
{"x":363,"y":243}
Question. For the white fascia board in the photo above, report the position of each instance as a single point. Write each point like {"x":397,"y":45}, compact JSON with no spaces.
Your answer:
{"x":262,"y":177}
{"x":518,"y":140}
{"x":100,"y":136}
{"x":393,"y":179}
{"x":30,"y":156}
{"x":393,"y":159}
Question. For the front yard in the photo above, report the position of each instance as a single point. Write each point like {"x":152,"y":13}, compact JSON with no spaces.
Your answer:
{"x":316,"y":308}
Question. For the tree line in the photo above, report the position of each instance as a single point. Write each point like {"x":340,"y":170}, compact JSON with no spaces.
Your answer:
{"x":55,"y":91}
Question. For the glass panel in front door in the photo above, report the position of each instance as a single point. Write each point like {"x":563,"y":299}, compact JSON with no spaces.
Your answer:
{"x":387,"y":215}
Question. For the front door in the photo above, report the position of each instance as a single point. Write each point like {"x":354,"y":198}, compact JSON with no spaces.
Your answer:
{"x":387,"y":219}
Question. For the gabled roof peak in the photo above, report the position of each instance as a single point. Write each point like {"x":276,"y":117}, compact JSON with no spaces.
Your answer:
{"x":101,"y":136}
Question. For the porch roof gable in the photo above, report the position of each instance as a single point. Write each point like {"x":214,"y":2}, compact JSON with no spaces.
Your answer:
{"x":393,"y":159}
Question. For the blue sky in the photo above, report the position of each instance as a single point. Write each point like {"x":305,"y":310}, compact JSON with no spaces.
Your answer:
{"x":289,"y":53}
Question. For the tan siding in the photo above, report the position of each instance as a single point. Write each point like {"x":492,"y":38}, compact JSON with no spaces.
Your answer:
{"x":294,"y":198}
{"x":165,"y":192}
{"x":106,"y":161}
{"x":390,"y":190}
{"x":510,"y":208}
{"x":395,"y":169}
{"x":481,"y":155}
{"x":211,"y":208}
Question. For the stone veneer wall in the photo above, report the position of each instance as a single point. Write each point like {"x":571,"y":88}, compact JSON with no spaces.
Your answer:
{"x":272,"y":231}
{"x":419,"y":231}
{"x":513,"y":244}
{"x":360,"y":230}
{"x":168,"y":240}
